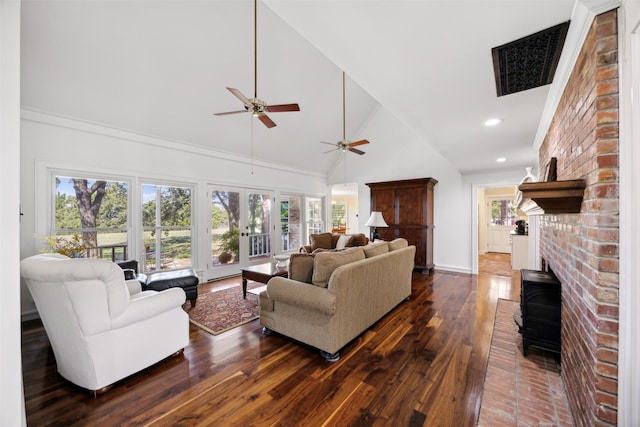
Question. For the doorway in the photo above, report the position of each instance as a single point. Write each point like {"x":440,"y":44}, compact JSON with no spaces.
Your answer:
{"x":496,"y":218}
{"x":344,"y":208}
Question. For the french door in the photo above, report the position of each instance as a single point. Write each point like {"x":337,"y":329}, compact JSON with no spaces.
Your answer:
{"x":242,"y":230}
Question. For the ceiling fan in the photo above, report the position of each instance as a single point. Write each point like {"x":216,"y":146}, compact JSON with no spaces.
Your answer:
{"x":257,"y":107}
{"x":345,"y":145}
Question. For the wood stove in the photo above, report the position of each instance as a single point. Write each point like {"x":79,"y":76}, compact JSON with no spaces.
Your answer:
{"x":540,"y":304}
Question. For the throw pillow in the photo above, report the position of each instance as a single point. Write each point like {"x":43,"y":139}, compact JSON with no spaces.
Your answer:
{"x":301,"y":267}
{"x":326,"y":262}
{"x":359,"y":239}
{"x":343,"y":241}
{"x":322,"y":240}
{"x":398,"y":243}
{"x":375,"y":249}
{"x":334,"y":240}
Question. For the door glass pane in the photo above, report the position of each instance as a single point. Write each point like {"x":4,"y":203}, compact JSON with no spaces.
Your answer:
{"x":259,"y":225}
{"x":291,"y":222}
{"x":225,"y":232}
{"x":503,"y":212}
{"x":166,"y":224}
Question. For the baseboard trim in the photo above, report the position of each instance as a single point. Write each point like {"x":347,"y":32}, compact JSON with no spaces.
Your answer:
{"x":452,"y":269}
{"x":31,"y":315}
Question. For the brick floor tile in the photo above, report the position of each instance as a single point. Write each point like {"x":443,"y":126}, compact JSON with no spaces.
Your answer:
{"x":521,"y":391}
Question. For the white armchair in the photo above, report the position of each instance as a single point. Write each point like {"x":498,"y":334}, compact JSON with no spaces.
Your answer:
{"x":101,"y":328}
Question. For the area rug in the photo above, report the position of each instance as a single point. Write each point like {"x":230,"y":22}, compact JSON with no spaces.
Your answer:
{"x":219,"y":311}
{"x":518,"y":390}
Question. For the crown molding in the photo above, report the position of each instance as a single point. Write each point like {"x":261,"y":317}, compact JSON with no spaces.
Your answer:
{"x":44,"y":117}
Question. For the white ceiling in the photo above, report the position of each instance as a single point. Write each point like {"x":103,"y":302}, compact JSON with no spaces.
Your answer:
{"x":161,"y":67}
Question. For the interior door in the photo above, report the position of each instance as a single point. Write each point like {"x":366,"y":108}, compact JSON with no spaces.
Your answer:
{"x":502,"y":216}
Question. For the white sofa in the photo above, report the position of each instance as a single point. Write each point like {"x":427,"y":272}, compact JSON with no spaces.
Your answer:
{"x":332,"y":297}
{"x":101,"y":328}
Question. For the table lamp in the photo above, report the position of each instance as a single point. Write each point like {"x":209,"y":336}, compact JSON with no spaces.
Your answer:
{"x":376,"y":220}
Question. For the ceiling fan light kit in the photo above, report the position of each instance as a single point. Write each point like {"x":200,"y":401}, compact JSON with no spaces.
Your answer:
{"x":345,"y":145}
{"x":257,"y":107}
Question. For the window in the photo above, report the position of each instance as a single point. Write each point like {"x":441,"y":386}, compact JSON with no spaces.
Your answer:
{"x":503,"y":212}
{"x":91,"y":216}
{"x":339,"y":217}
{"x":291,"y":222}
{"x":166,"y":224}
{"x":315,"y":224}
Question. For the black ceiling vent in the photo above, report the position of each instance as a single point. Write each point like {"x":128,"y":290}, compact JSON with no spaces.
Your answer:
{"x":530,"y":61}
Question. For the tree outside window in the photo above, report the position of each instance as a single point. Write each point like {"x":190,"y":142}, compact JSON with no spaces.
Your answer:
{"x":225,"y":232}
{"x":503,"y":212}
{"x":291,"y":222}
{"x":166,"y":224}
{"x":91,"y":214}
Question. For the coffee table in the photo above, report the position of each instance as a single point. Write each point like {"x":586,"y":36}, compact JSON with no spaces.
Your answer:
{"x":261,"y":273}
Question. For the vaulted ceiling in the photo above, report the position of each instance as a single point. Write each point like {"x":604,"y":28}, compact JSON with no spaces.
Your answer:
{"x":160,"y":68}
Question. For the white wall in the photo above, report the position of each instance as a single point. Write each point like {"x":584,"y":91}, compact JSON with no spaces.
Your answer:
{"x":455,"y":203}
{"x":11,"y":390}
{"x":59,"y":143}
{"x":411,"y":157}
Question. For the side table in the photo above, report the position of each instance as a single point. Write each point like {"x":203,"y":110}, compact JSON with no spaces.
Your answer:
{"x":261,"y":273}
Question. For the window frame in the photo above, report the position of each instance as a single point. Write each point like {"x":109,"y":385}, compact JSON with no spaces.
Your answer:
{"x":142,"y":253}
{"x":314,"y":225}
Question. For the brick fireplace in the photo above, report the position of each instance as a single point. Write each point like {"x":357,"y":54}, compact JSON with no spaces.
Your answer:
{"x":582,"y":249}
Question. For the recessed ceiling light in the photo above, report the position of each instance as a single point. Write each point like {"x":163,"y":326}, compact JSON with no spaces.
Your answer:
{"x":493,"y":122}
{"x":501,"y":159}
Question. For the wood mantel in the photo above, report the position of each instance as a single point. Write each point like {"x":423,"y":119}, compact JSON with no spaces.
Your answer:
{"x":555,"y":197}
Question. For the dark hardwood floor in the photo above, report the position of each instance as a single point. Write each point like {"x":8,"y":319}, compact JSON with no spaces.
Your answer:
{"x":422,"y":364}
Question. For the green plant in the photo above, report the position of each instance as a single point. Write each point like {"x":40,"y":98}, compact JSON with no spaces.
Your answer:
{"x":230,"y":242}
{"x":72,"y":246}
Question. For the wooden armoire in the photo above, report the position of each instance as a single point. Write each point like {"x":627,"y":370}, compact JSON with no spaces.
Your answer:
{"x":407,"y":207}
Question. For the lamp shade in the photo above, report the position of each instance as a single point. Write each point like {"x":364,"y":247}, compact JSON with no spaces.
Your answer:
{"x":376,"y":220}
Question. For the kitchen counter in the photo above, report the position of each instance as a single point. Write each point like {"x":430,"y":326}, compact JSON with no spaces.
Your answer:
{"x":519,"y":251}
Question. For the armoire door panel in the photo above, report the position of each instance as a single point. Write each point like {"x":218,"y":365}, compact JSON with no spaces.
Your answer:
{"x":385,"y":201}
{"x":407,"y":206}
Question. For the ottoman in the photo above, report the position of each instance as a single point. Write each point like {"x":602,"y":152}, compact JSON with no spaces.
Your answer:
{"x":187,"y":279}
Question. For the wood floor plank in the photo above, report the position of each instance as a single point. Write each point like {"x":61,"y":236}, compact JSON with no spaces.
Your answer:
{"x":422,"y":364}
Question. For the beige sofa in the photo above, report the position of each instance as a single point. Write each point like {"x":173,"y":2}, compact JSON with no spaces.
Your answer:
{"x":345,"y":293}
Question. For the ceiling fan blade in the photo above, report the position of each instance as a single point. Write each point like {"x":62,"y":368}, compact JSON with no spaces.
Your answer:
{"x":328,"y":143}
{"x":240,"y":96}
{"x":230,"y":112}
{"x":266,"y":120}
{"x":361,"y":142}
{"x":331,"y":151}
{"x":282,"y":108}
{"x":355,"y":150}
